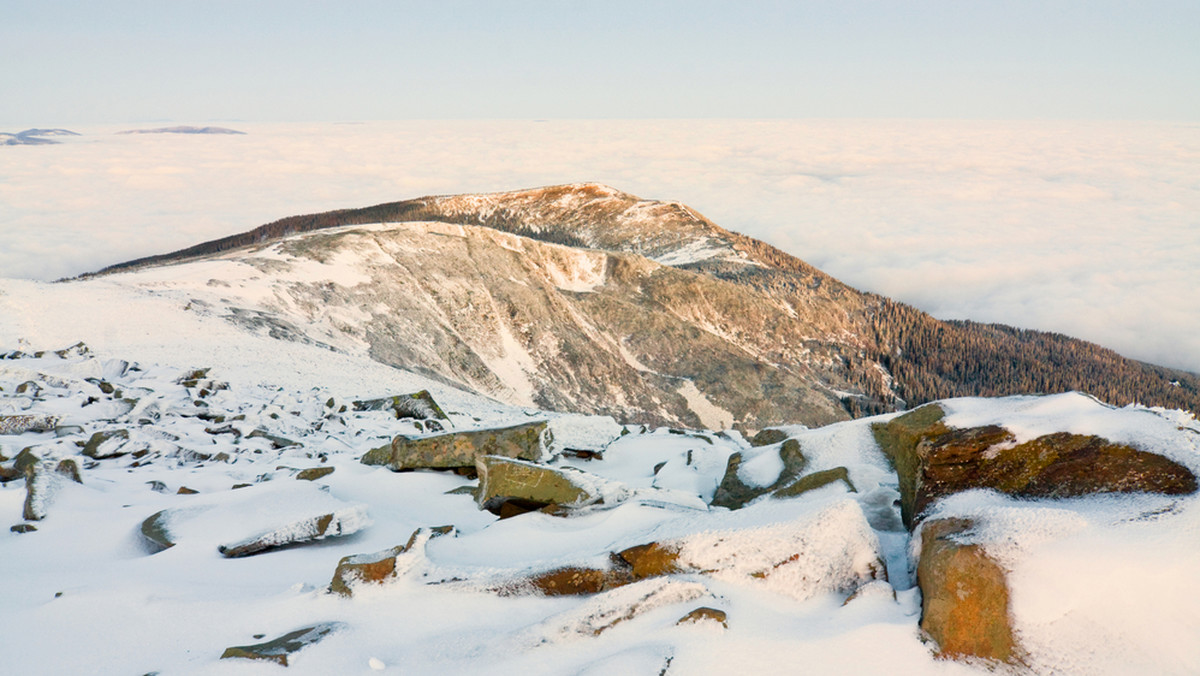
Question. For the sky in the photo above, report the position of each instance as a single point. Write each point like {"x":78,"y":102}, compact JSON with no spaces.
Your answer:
{"x":88,"y":61}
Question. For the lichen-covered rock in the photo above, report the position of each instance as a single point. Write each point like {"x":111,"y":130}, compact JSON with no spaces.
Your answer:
{"x":733,"y":492}
{"x":419,"y":405}
{"x":27,"y":422}
{"x":382,"y":566}
{"x":505,"y":480}
{"x":833,"y":550}
{"x":933,"y":460}
{"x":964,"y":595}
{"x":278,"y":650}
{"x":459,"y":449}
{"x":107,"y":444}
{"x":314,"y":473}
{"x":811,"y":482}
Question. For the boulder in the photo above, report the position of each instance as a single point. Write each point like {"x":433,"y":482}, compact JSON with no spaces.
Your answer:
{"x":23,"y":528}
{"x":314,"y":473}
{"x":419,"y":405}
{"x":459,"y":449}
{"x":278,"y":650}
{"x":529,"y":485}
{"x":382,"y":566}
{"x":964,"y":595}
{"x":811,"y":482}
{"x":43,"y":480}
{"x":833,"y":550}
{"x":277,"y":442}
{"x":25,"y":459}
{"x":107,"y":444}
{"x":705,"y":615}
{"x":768,"y":437}
{"x":734,"y":493}
{"x":571,"y":580}
{"x":310,"y":529}
{"x":27,"y":422}
{"x":933,"y":460}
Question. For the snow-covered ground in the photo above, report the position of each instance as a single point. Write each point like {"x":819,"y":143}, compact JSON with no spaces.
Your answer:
{"x":1099,"y":585}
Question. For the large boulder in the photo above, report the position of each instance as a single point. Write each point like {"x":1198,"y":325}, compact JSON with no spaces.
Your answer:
{"x":278,"y":650}
{"x":453,"y":450}
{"x":964,"y":595}
{"x":531,"y":485}
{"x":735,"y":490}
{"x":934,"y":460}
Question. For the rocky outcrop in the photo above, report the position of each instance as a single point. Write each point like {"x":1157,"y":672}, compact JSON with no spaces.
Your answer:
{"x":459,"y":449}
{"x":733,"y":492}
{"x":528,"y":486}
{"x":280,"y":649}
{"x":382,"y":566}
{"x":965,"y":605}
{"x":933,"y":460}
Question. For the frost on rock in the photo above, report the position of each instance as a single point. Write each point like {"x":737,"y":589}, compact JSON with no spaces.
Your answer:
{"x":27,"y":422}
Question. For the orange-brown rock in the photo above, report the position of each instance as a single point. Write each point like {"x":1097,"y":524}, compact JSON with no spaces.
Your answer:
{"x":705,"y":615}
{"x":652,"y":559}
{"x":933,"y":460}
{"x":574,"y":580}
{"x":964,"y":595}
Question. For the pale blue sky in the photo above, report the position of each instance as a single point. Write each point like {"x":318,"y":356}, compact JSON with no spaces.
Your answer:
{"x":100,"y":61}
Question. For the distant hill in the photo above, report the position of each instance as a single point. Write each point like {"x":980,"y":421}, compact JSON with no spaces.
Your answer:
{"x":183,"y":130}
{"x":33,"y":137}
{"x":760,"y":334}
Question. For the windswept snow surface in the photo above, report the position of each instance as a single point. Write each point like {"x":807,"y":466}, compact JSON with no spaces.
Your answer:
{"x":1101,"y":585}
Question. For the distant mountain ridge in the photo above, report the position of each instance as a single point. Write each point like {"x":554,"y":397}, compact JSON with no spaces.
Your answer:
{"x":679,"y":321}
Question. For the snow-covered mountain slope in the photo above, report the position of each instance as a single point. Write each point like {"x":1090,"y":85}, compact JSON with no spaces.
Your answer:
{"x":528,"y":322}
{"x":1098,"y":584}
{"x":865,"y":351}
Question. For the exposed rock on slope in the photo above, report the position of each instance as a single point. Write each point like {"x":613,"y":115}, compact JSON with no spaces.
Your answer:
{"x":646,"y":311}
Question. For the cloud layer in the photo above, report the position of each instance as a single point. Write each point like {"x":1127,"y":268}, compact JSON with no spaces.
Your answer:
{"x":1089,"y":229}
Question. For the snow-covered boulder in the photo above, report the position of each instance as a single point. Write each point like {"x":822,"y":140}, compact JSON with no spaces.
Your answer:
{"x":528,"y":485}
{"x":752,"y":474}
{"x":459,"y":449}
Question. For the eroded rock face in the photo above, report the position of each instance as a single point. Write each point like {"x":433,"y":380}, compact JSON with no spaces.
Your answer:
{"x":531,"y":485}
{"x":933,"y":460}
{"x":278,"y":650}
{"x":964,"y":595}
{"x":734,"y":493}
{"x":459,"y":449}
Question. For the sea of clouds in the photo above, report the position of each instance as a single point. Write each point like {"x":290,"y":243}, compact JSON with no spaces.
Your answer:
{"x":1086,"y":228}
